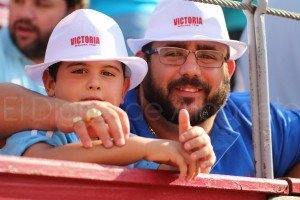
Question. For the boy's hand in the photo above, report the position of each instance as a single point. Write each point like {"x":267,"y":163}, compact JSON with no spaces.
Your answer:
{"x":197,"y":142}
{"x":112,"y":124}
{"x":171,"y":153}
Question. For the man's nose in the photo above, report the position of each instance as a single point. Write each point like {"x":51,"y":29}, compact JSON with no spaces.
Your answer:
{"x":28,"y":11}
{"x":190,"y":67}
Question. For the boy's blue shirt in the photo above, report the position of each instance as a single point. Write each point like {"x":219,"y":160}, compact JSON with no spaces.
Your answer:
{"x":18,"y":143}
{"x":231,"y":135}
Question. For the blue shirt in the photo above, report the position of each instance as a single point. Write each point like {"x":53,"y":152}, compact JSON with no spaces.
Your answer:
{"x":12,"y":63}
{"x":231,"y":135}
{"x":18,"y":143}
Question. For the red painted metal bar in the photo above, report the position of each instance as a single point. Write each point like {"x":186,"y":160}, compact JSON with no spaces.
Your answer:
{"x":294,"y":186}
{"x":28,"y":178}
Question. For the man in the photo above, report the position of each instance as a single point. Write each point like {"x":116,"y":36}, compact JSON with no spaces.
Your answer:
{"x":191,"y":61}
{"x":22,"y":109}
{"x":24,"y":41}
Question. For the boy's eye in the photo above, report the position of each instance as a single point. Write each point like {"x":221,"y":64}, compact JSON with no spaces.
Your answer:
{"x":79,"y":71}
{"x":106,"y":73}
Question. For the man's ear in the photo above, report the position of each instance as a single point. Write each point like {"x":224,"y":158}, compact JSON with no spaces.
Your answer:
{"x":125,"y":87}
{"x":231,"y":67}
{"x":49,"y":83}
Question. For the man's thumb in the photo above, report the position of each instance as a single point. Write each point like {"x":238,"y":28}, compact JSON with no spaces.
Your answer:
{"x":184,"y":121}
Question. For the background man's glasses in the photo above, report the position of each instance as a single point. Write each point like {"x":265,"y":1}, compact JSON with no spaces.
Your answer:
{"x":177,"y":56}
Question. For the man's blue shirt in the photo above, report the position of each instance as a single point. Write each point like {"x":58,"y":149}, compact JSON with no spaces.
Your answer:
{"x":231,"y":135}
{"x":12,"y":63}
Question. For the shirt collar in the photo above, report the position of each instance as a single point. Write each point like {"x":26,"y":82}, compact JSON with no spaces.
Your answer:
{"x":224,"y":133}
{"x":11,"y":49}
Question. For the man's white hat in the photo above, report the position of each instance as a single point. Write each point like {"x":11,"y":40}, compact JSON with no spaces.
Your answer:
{"x":179,"y":20}
{"x":88,"y":35}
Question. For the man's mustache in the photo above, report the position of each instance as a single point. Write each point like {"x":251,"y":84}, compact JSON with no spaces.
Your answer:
{"x":25,"y":22}
{"x":189,"y":81}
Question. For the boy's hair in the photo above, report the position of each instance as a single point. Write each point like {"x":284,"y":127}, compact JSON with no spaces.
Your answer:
{"x":78,"y":4}
{"x":53,"y":69}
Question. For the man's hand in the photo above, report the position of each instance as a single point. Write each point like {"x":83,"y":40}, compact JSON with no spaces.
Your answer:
{"x":112,"y":124}
{"x":197,"y":142}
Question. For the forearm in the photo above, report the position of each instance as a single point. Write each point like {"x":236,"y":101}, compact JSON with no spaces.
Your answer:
{"x":134,"y":150}
{"x":22,"y":109}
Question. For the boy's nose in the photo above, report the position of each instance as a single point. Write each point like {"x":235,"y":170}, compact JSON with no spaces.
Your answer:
{"x":94,"y":87}
{"x":94,"y":83}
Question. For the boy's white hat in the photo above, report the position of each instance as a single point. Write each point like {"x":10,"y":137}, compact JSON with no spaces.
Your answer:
{"x":88,"y":35}
{"x":179,"y":20}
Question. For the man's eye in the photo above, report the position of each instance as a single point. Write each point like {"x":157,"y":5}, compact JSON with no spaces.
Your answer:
{"x":42,"y":3}
{"x":79,"y":71}
{"x":206,"y":56}
{"x":173,"y":53}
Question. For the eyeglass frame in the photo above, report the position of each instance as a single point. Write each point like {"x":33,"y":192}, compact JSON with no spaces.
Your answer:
{"x":157,"y":50}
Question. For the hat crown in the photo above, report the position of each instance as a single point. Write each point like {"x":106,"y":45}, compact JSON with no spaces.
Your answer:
{"x":184,"y":20}
{"x":178,"y":17}
{"x":94,"y":34}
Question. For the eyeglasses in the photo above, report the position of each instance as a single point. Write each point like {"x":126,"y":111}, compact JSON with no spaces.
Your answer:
{"x":178,"y":56}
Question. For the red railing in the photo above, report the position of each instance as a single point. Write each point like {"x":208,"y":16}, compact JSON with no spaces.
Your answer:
{"x":30,"y":178}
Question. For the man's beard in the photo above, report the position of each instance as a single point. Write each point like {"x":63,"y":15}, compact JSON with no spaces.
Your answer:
{"x":162,"y":102}
{"x":37,"y":47}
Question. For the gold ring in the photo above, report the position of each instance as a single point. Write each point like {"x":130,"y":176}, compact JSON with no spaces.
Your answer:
{"x":77,"y":119}
{"x":92,"y":113}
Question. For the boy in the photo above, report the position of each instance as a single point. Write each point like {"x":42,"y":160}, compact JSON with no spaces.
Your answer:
{"x":86,"y":61}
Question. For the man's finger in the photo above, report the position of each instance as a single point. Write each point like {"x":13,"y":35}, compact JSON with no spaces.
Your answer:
{"x":100,"y":128}
{"x":112,"y":119}
{"x":81,"y":131}
{"x":192,"y":170}
{"x":184,"y":121}
{"x":124,"y":122}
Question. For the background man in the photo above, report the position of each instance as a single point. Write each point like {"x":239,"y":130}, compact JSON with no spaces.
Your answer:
{"x":24,"y":41}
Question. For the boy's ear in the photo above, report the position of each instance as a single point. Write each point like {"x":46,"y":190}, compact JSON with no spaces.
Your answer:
{"x":49,"y":83}
{"x":125,"y":87}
